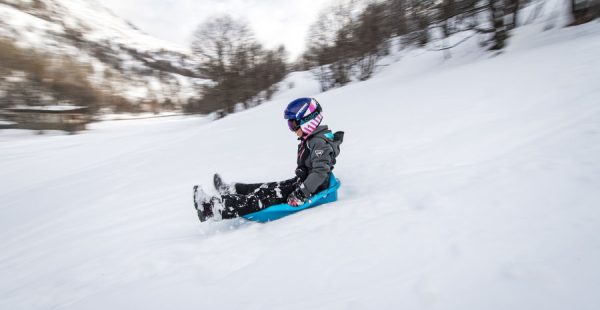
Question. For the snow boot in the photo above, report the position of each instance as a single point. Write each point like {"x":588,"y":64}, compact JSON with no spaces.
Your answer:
{"x":222,"y":187}
{"x":217,"y":208}
{"x":202,"y":204}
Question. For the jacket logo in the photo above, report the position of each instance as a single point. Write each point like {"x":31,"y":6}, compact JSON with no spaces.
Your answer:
{"x":319,"y":152}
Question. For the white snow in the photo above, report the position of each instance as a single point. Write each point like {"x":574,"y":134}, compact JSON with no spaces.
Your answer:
{"x":50,"y":107}
{"x":6,"y":123}
{"x":471,"y":183}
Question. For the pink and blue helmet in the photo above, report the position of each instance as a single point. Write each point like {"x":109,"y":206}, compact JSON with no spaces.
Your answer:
{"x":304,"y":113}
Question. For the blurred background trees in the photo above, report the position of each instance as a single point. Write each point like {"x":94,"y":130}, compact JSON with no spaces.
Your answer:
{"x":348,"y":39}
{"x":30,"y":77}
{"x":240,"y":69}
{"x":584,"y":11}
{"x":231,"y":70}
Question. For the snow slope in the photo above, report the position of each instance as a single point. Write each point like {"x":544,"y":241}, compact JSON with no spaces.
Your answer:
{"x":466,"y":185}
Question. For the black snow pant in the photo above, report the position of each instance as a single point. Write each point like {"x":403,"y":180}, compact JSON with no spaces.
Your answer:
{"x":250,"y":198}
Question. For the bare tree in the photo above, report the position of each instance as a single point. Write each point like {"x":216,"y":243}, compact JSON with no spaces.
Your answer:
{"x":371,"y":33}
{"x":331,"y":45}
{"x":218,"y":41}
{"x":239,"y":67}
{"x":398,"y":16}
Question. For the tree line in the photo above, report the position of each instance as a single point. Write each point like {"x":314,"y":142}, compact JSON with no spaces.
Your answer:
{"x":344,"y":44}
{"x":349,"y":37}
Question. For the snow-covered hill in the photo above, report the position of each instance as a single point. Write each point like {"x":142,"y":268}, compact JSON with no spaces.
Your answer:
{"x":123,"y":59}
{"x":471,"y":183}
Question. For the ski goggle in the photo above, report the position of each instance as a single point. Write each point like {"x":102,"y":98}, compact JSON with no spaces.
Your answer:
{"x":293,"y":124}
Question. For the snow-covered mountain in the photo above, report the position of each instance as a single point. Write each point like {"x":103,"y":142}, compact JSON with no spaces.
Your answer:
{"x":467,"y":183}
{"x":123,"y":59}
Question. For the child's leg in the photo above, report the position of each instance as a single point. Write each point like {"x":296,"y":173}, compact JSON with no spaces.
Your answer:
{"x":247,"y":189}
{"x":263,"y":196}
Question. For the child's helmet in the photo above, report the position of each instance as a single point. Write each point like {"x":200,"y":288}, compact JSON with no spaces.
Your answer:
{"x":303,"y":113}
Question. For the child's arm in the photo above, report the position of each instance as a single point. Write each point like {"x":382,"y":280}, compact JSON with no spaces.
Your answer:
{"x":321,"y":158}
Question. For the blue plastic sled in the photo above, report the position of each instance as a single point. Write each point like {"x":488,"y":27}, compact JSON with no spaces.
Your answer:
{"x":276,"y":212}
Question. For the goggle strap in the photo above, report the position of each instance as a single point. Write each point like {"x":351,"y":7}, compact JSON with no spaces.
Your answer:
{"x":311,"y":116}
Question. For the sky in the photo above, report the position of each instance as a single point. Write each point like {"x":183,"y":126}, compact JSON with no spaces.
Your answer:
{"x":273,"y":22}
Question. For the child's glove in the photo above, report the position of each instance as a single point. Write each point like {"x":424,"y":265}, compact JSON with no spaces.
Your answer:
{"x":297,"y":197}
{"x":301,"y":173}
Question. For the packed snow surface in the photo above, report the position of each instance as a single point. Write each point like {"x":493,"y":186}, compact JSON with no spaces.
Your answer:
{"x":468,"y":183}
